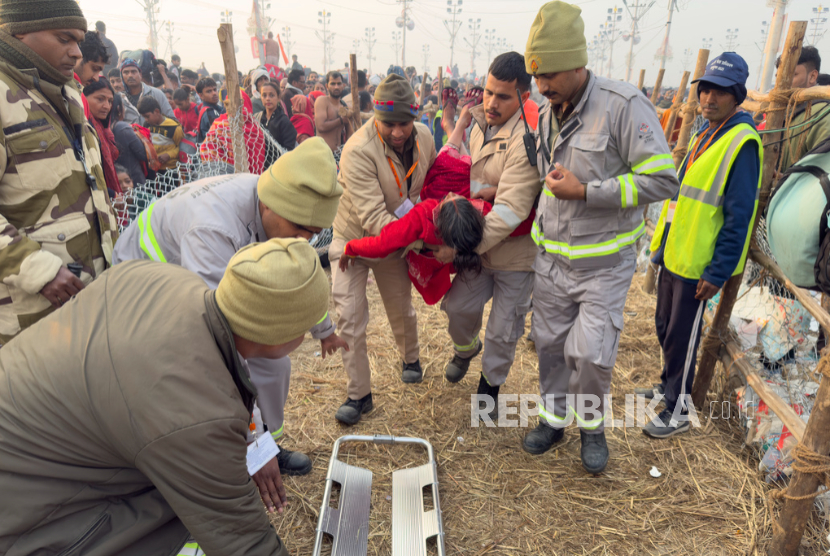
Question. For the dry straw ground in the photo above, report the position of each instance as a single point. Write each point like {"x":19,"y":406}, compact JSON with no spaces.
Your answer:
{"x":496,"y":499}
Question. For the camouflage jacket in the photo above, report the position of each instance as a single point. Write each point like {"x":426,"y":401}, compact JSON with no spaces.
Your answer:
{"x":49,"y":214}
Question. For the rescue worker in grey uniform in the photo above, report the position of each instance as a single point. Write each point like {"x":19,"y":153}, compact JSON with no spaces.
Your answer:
{"x":501,"y":173}
{"x":201,"y":225}
{"x":603,"y":157}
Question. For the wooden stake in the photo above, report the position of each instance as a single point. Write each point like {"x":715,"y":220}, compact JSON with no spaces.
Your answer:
{"x":690,"y":111}
{"x":236,"y":125}
{"x":678,"y":98}
{"x":642,"y":80}
{"x":422,"y":98}
{"x":655,"y":94}
{"x":775,"y":120}
{"x":357,"y":121}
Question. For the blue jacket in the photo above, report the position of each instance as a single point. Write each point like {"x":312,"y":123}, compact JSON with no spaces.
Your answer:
{"x":213,"y":111}
{"x":738,"y":205}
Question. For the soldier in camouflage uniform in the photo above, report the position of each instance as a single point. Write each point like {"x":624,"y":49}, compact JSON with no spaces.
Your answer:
{"x":54,"y":208}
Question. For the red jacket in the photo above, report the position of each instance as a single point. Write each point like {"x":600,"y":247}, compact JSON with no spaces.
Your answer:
{"x":189,"y":119}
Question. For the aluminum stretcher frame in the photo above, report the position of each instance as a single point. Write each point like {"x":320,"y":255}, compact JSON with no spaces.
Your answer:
{"x":348,"y":525}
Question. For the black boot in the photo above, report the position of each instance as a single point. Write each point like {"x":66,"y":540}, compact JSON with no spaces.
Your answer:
{"x":350,"y":412}
{"x":539,"y":440}
{"x":293,"y":463}
{"x":594,"y":452}
{"x":412,"y":372}
{"x":484,"y":389}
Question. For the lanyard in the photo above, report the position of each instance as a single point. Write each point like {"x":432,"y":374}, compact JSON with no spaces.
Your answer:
{"x":392,"y":165}
{"x":694,"y":155}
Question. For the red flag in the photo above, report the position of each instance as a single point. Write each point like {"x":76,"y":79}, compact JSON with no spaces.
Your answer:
{"x":449,"y":71}
{"x":282,"y":49}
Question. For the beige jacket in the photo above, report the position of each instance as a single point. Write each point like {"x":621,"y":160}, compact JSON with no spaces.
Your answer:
{"x":502,"y":162}
{"x":123,"y":422}
{"x":370,"y":191}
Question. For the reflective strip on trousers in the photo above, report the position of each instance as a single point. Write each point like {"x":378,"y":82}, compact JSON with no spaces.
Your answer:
{"x":469,"y":347}
{"x":277,"y":434}
{"x":147,"y":239}
{"x":587,"y":424}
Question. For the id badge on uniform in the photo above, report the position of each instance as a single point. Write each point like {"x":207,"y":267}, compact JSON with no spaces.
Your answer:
{"x":260,"y":452}
{"x":401,"y":211}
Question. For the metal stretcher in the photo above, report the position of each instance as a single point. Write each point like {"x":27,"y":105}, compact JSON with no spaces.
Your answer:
{"x":348,"y":524}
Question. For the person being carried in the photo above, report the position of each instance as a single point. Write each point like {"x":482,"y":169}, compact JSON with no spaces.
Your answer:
{"x":166,"y":132}
{"x":330,"y":115}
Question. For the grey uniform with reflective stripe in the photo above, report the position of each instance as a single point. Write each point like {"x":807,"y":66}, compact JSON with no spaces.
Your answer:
{"x":200,"y":226}
{"x":613,"y":143}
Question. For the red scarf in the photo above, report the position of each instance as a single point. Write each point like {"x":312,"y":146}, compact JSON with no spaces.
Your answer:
{"x":109,"y":154}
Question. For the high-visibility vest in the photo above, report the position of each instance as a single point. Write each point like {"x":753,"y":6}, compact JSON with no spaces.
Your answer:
{"x":696,"y":217}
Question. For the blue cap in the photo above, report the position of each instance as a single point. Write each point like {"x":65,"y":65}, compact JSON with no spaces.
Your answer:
{"x":726,"y":70}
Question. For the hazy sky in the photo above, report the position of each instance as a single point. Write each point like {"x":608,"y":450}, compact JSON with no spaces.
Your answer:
{"x":195,"y":23}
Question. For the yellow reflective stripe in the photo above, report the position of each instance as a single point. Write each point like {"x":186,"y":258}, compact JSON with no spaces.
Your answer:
{"x":548,"y":192}
{"x":147,"y":239}
{"x":191,"y":549}
{"x":633,"y":185}
{"x":469,"y":347}
{"x":628,"y":190}
{"x":277,"y":434}
{"x":622,"y":191}
{"x":652,"y":165}
{"x":593,"y":250}
{"x":322,"y":319}
{"x":586,"y":424}
{"x":536,"y":233}
{"x":550,"y":417}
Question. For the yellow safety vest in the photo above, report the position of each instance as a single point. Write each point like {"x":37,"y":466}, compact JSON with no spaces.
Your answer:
{"x":696,"y":217}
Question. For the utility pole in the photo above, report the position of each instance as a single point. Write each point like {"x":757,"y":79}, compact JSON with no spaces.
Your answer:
{"x":425,"y":50}
{"x":489,"y":44}
{"x":760,"y":46}
{"x":261,"y":26}
{"x":474,"y":27}
{"x":817,"y":21}
{"x":731,"y":37}
{"x":369,"y":40}
{"x":151,"y":8}
{"x":169,"y":26}
{"x":665,"y":49}
{"x":614,"y":16}
{"x":687,"y":57}
{"x":773,"y":40}
{"x":454,"y":9}
{"x":227,"y":17}
{"x":405,"y":23}
{"x":286,"y":40}
{"x":324,"y":19}
{"x":706,"y":44}
{"x":396,"y":38}
{"x":639,"y":11}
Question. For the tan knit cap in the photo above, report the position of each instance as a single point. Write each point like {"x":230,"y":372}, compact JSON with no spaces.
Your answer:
{"x":274,"y":292}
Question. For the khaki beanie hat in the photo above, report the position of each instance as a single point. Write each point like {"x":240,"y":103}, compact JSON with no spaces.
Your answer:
{"x":18,"y":17}
{"x":395,"y":100}
{"x":274,"y":292}
{"x":301,"y":186}
{"x":557,"y":40}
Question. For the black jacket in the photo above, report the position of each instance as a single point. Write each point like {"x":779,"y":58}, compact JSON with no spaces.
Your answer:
{"x":281,"y":130}
{"x":131,"y":151}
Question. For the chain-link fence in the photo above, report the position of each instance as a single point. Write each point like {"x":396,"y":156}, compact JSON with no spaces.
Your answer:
{"x":213,"y":157}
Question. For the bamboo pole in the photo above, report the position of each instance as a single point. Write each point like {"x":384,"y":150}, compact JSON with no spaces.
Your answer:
{"x":690,"y":111}
{"x":357,"y":122}
{"x":798,"y":499}
{"x":422,"y":98}
{"x":235,"y":123}
{"x":772,"y":149}
{"x":655,"y":94}
{"x":676,"y":104}
{"x":642,"y":80}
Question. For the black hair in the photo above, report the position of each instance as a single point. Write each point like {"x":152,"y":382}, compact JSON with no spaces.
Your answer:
{"x":295,"y":76}
{"x":101,"y":26}
{"x":333,"y":75}
{"x":166,"y":90}
{"x":809,"y":58}
{"x":823,"y":79}
{"x":270,"y":34}
{"x":175,"y":57}
{"x":271,"y":84}
{"x":148,"y":105}
{"x":361,"y":79}
{"x":93,"y":49}
{"x":510,"y":67}
{"x":121,"y":170}
{"x":433,"y":99}
{"x":190,"y":74}
{"x":453,"y":84}
{"x":97,"y":85}
{"x":204,"y":83}
{"x":181,"y":94}
{"x":114,"y":72}
{"x":461,"y":226}
{"x":365,"y":101}
{"x":117,"y":107}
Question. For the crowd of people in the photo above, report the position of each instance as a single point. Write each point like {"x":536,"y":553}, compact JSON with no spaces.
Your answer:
{"x":138,"y":371}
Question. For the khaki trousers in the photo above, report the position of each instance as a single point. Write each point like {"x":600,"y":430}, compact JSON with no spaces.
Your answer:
{"x":349,"y":295}
{"x":464,"y":305}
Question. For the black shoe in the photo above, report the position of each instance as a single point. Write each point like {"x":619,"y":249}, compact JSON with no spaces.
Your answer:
{"x":663,"y":427}
{"x":594,"y":452}
{"x":412,"y":372}
{"x":539,"y":440}
{"x":293,"y":463}
{"x":457,"y":367}
{"x":350,"y":412}
{"x":484,"y":389}
{"x":650,"y":393}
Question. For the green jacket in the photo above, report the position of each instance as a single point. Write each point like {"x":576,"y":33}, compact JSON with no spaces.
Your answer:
{"x":815,"y":134}
{"x":123,"y":425}
{"x":49,"y":214}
